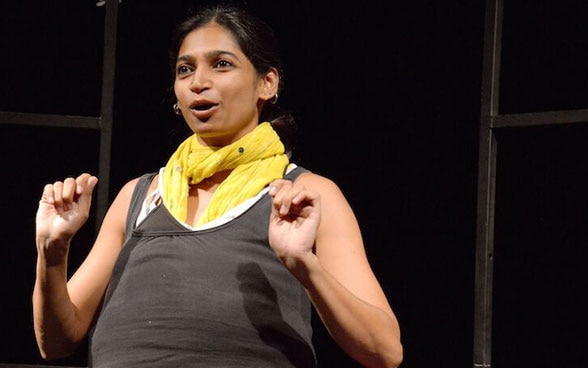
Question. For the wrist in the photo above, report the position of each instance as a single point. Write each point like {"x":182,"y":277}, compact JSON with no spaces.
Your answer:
{"x":302,"y":267}
{"x":52,"y":252}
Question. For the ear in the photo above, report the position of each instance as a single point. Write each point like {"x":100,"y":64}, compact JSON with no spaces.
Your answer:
{"x":270,"y":84}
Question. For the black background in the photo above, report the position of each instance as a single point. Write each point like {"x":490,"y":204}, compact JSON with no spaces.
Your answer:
{"x":387,"y":98}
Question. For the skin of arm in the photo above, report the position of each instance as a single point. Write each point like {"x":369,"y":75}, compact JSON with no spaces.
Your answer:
{"x":315,"y":233}
{"x":63,"y":311}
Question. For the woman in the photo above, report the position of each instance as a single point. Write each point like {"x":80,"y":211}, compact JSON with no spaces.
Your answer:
{"x":216,"y":259}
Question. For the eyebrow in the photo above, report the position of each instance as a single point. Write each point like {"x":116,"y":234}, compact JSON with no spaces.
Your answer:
{"x":209,"y":55}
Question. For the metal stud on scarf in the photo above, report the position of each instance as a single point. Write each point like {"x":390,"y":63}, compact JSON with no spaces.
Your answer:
{"x":177,"y":109}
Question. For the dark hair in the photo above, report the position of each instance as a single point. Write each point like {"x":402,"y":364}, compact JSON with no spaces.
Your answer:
{"x":257,"y":41}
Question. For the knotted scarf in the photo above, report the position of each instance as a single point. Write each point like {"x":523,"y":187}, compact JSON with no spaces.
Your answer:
{"x":256,"y":159}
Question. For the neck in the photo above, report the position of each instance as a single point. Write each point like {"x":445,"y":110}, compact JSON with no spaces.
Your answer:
{"x":213,"y":181}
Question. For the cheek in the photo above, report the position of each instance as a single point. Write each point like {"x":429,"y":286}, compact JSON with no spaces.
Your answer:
{"x":245,"y":93}
{"x":179,"y":91}
{"x":176,"y":89}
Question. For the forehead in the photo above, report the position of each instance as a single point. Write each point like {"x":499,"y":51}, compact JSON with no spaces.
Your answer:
{"x":211,"y":36}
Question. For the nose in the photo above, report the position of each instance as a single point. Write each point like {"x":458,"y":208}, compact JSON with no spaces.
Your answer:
{"x":200,"y":80}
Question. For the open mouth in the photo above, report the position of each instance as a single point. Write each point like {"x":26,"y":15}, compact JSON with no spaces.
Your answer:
{"x":203,"y":110}
{"x":202,"y":107}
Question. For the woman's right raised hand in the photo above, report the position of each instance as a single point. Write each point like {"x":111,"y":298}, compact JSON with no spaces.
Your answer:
{"x":63,"y":209}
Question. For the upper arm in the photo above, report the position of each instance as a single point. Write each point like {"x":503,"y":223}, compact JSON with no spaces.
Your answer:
{"x":339,"y":243}
{"x":89,"y":282}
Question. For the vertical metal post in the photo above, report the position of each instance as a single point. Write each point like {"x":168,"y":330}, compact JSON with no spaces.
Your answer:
{"x":486,"y":186}
{"x":106,"y":108}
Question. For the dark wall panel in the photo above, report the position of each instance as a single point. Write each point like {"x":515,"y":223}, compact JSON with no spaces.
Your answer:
{"x":387,"y":101}
{"x":540,"y":252}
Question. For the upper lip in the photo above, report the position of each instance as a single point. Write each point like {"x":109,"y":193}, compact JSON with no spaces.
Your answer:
{"x":202,"y":104}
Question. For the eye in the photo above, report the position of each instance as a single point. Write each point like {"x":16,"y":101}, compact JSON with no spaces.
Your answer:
{"x":222,"y":64}
{"x":183,"y":69}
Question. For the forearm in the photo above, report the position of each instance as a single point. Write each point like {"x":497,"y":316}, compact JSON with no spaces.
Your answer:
{"x":53,"y":313}
{"x":366,"y":333}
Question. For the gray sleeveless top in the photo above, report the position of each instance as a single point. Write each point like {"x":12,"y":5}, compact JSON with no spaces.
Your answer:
{"x":210,"y":298}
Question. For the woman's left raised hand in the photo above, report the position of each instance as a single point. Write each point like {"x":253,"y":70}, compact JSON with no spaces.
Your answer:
{"x":294,"y":220}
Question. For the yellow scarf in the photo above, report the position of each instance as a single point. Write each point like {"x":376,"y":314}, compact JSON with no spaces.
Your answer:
{"x":256,"y":159}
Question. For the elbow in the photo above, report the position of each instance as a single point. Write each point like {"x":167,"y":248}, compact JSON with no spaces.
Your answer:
{"x":54,"y":354}
{"x":53,"y":351}
{"x":394,"y":357}
{"x":391,"y":354}
{"x":395,"y":350}
{"x":397,"y":357}
{"x":388,"y":355}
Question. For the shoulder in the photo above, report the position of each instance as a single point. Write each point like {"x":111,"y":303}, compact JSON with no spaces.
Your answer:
{"x":316,"y":182}
{"x":122,"y":200}
{"x":334,"y":202}
{"x":116,"y":217}
{"x":126,"y":191}
{"x":148,"y":180}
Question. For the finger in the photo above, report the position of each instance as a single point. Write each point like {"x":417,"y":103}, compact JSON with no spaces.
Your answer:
{"x":305,"y":196}
{"x":82,"y":182}
{"x":284,"y":196}
{"x":86,"y":186}
{"x":276,"y":185}
{"x":47,"y":196}
{"x":68,"y":192}
{"x":58,"y":195}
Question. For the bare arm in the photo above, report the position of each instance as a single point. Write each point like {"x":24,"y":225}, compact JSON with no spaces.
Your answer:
{"x":317,"y":237}
{"x":64,"y":310}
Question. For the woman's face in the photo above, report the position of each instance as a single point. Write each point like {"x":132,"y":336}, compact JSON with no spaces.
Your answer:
{"x":217,"y":87}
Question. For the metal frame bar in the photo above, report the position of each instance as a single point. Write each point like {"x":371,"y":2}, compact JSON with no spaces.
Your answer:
{"x":486,"y":185}
{"x":102,"y":123}
{"x":50,"y":120}
{"x":490,"y":122}
{"x":540,"y":118}
{"x":106,"y":108}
